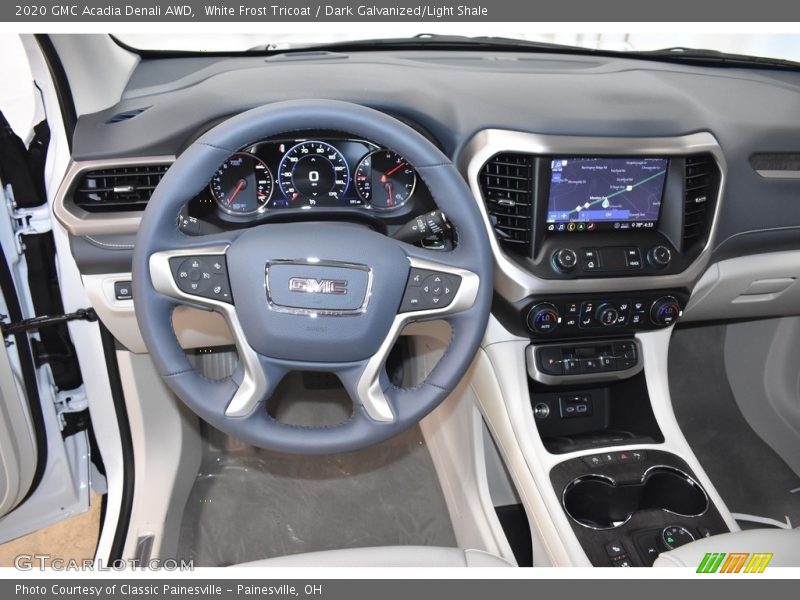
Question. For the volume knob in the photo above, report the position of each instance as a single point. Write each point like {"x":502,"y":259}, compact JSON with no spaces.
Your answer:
{"x":565,"y":259}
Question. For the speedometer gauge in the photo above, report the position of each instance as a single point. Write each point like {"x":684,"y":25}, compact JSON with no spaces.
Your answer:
{"x":313,"y":173}
{"x":242,"y":185}
{"x":384,"y":179}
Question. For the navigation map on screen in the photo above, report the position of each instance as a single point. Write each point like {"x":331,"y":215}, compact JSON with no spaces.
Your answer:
{"x":592,"y":191}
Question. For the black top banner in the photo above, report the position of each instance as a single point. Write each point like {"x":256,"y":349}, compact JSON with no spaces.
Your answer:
{"x":333,"y":11}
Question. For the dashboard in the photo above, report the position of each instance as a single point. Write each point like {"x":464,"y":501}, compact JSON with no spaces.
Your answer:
{"x":597,"y":176}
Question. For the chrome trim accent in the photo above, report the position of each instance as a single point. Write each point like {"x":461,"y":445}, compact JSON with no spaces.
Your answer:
{"x":536,"y":374}
{"x":645,"y":476}
{"x":82,"y":223}
{"x":514,"y":282}
{"x":254,"y":383}
{"x":310,"y":311}
{"x":779,"y":174}
{"x":369,"y":388}
{"x":580,"y":479}
{"x":691,"y":480}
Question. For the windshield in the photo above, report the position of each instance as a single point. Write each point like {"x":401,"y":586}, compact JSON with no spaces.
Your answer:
{"x":781,"y":46}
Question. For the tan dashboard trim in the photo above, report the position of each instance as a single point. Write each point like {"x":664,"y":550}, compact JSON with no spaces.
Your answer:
{"x":82,"y":223}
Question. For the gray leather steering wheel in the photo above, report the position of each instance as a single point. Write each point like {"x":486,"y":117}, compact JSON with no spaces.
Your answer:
{"x":318,"y":296}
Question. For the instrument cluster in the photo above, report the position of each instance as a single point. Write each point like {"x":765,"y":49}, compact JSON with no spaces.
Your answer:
{"x":316,"y":172}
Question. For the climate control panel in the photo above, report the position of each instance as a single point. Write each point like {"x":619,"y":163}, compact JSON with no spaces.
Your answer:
{"x":571,"y":316}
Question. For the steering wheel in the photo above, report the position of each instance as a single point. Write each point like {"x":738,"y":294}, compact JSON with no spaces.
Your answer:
{"x":311,"y":296}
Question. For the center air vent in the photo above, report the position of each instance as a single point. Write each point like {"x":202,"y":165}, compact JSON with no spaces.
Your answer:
{"x":118,"y":189}
{"x":700,"y":190}
{"x":506,"y":183}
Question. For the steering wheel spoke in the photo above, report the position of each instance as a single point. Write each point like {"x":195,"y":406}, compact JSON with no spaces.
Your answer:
{"x":198,"y":276}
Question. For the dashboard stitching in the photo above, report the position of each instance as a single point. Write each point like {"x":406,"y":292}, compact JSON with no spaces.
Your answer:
{"x":107,"y":245}
{"x":215,"y":147}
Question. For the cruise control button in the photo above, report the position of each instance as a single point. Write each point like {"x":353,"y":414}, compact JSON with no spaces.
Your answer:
{"x":427,"y":290}
{"x":204,"y":276}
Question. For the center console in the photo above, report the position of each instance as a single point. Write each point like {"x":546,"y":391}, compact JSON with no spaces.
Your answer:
{"x":627,"y":507}
{"x":598,"y":243}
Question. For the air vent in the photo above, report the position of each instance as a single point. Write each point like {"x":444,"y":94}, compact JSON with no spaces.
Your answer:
{"x":118,"y":189}
{"x":126,"y":116}
{"x":700,"y":190}
{"x":506,"y":182}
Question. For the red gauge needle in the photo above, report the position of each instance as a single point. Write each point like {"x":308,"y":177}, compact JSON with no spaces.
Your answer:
{"x":236,"y":191}
{"x":392,"y":171}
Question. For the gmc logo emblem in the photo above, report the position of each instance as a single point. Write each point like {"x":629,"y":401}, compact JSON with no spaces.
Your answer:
{"x":308,"y":285}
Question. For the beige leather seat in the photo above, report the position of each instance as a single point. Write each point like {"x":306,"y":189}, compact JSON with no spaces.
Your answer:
{"x":784,"y":544}
{"x":387,"y":556}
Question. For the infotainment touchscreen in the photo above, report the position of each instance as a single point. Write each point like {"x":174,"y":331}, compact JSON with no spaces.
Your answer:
{"x":588,"y":194}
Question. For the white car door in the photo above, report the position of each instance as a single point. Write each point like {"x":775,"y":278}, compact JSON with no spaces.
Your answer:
{"x":45,"y":458}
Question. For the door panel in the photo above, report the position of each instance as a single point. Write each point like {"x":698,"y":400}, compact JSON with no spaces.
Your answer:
{"x":17,"y":441}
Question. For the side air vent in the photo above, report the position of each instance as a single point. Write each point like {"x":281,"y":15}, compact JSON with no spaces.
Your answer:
{"x":506,"y":182}
{"x":700,"y":190}
{"x":125,"y":116}
{"x":118,"y":189}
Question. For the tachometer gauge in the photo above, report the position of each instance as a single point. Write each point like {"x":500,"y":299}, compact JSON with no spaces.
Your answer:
{"x":384,"y":179}
{"x":242,"y":185}
{"x":313,"y":173}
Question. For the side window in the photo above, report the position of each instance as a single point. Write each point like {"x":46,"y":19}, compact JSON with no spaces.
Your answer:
{"x":17,"y":92}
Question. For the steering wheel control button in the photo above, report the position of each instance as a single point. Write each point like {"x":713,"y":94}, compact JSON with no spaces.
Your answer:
{"x":676,"y":536}
{"x":123,"y":290}
{"x":659,"y":257}
{"x":427,"y":290}
{"x":543,"y":318}
{"x":204,"y":276}
{"x":564,"y":260}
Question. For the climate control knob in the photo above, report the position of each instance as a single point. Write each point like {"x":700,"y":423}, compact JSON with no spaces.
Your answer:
{"x":659,"y":256}
{"x":607,"y":314}
{"x":543,"y":318}
{"x":565,"y":259}
{"x":665,"y":311}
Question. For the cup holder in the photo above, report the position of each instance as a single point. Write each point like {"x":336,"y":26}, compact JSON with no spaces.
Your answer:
{"x":598,"y":502}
